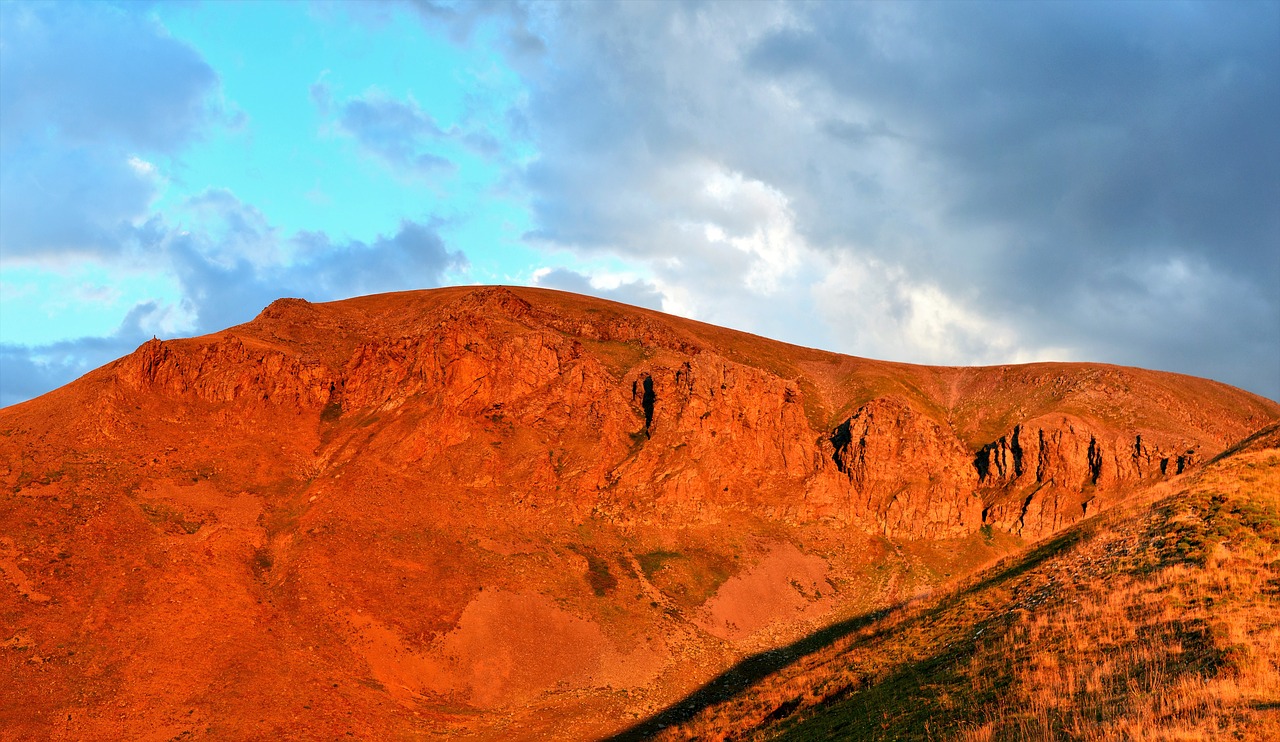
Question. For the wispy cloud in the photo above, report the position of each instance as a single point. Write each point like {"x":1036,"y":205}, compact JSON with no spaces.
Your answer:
{"x":401,"y":134}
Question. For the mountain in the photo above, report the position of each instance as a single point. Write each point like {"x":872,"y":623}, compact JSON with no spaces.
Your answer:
{"x":517,"y":513}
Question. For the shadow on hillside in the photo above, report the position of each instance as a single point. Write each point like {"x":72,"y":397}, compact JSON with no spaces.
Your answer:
{"x":743,"y":675}
{"x":757,"y":667}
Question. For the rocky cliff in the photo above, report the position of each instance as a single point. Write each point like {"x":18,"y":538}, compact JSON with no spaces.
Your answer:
{"x":659,"y":419}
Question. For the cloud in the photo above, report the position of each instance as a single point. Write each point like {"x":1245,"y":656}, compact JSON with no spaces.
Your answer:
{"x":98,"y":73}
{"x":31,"y":371}
{"x":321,"y":95}
{"x":414,"y":257}
{"x":987,"y":176}
{"x":635,"y":292}
{"x":398,"y":133}
{"x":230,"y":262}
{"x":87,"y":92}
{"x":98,"y":102}
{"x":406,"y":138}
{"x":1111,"y":126}
{"x":885,"y":313}
{"x":517,"y":20}
{"x":68,"y":201}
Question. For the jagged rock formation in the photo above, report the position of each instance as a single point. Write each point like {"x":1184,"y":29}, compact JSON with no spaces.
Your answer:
{"x":365,"y":492}
{"x":906,"y":472}
{"x":1049,"y":471}
{"x":681,"y":428}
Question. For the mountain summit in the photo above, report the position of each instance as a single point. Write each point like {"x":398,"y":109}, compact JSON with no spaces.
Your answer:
{"x":516,"y":513}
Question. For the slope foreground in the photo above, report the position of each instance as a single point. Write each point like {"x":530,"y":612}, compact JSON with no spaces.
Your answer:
{"x":516,"y":513}
{"x":1157,"y":620}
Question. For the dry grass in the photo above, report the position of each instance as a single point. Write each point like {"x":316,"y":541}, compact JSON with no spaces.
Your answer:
{"x":1158,"y":622}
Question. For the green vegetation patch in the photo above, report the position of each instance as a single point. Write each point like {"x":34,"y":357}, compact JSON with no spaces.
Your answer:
{"x":331,"y":412}
{"x":599,"y":577}
{"x":261,"y":562}
{"x":618,"y":357}
{"x":690,"y":577}
{"x":651,"y":562}
{"x":1197,"y":524}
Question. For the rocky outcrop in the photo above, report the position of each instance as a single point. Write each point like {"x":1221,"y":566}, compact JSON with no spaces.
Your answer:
{"x":906,"y":472}
{"x":225,"y":370}
{"x":713,"y":432}
{"x":461,"y":364}
{"x":1153,"y":461}
{"x":1051,"y":471}
{"x":1058,"y":450}
{"x":633,"y":326}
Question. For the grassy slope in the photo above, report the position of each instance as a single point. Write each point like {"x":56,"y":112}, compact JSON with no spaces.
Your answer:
{"x":1158,"y":621}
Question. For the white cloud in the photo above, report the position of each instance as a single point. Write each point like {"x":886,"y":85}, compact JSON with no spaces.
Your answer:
{"x":876,"y":309}
{"x":770,"y":239}
{"x":624,"y":287}
{"x":142,"y":167}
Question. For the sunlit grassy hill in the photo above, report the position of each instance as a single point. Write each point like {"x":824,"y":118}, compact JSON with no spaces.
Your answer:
{"x":1160,"y":620}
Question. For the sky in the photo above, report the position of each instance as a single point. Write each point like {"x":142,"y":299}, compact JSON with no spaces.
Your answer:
{"x":945,"y":183}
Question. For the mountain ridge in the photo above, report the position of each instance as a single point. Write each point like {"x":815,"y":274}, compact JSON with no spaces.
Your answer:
{"x":1063,"y":445}
{"x":405,"y":502}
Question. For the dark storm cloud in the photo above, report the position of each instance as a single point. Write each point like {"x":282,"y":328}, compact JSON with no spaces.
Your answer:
{"x":635,"y":293}
{"x":1032,"y":162}
{"x":1113,"y":126}
{"x":1178,"y":309}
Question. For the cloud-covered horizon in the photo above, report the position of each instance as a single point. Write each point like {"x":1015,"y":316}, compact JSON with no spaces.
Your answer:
{"x":963,"y":183}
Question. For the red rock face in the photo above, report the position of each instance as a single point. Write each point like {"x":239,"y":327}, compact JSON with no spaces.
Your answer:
{"x":1051,"y":471}
{"x":376,"y":514}
{"x":684,"y":431}
{"x":711,"y":434}
{"x":908,"y":474}
{"x":225,"y":371}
